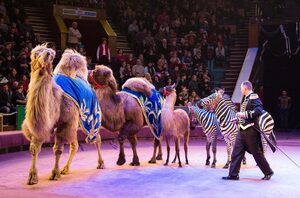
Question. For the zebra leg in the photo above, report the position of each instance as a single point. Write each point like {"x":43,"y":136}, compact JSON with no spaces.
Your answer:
{"x":244,"y":161}
{"x":214,"y":151}
{"x":207,"y":153}
{"x":229,"y":151}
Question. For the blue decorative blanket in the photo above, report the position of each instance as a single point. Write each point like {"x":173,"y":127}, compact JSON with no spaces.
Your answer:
{"x":86,"y":100}
{"x":151,"y":107}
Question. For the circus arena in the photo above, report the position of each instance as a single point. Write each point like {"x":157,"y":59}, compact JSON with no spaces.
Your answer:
{"x":158,"y":99}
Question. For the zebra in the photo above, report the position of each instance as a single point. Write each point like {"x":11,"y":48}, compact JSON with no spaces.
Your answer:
{"x":225,"y":117}
{"x":210,"y":125}
{"x":225,"y":111}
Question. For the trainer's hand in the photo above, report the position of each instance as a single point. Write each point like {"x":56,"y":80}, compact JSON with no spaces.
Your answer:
{"x":240,"y":115}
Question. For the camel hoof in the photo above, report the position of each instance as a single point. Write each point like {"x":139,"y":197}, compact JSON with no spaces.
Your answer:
{"x":159,"y":157}
{"x":187,"y":162}
{"x":121,"y":161}
{"x":32,"y":178}
{"x":65,"y":171}
{"x":226,"y":166}
{"x":207,"y":163}
{"x":152,"y":161}
{"x":134,"y":163}
{"x":55,"y":175}
{"x":166,"y":164}
{"x":180,"y":165}
{"x":100,"y":165}
{"x":213,"y":165}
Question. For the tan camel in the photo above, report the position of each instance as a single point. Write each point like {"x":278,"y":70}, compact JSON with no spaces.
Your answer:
{"x":175,"y":123}
{"x":48,"y":110}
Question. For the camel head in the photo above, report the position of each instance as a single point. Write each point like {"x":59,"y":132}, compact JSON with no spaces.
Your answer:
{"x":102,"y":77}
{"x":167,"y":90}
{"x":72,"y":64}
{"x":41,"y":59}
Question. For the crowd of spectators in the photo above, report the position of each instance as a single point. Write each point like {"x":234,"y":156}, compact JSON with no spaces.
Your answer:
{"x":175,"y":42}
{"x":16,"y":41}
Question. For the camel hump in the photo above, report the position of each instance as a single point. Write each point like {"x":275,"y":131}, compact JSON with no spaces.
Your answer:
{"x":139,"y":85}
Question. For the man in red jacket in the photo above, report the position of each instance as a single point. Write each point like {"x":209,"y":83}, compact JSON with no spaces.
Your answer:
{"x":103,"y":53}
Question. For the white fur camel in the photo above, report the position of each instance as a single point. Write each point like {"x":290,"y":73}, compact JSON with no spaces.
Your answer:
{"x":49,"y":111}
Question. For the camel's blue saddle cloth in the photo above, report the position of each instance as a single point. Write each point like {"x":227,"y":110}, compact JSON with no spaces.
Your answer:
{"x":151,"y":107}
{"x":86,"y":100}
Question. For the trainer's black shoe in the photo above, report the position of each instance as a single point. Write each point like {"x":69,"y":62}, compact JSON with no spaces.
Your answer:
{"x":268,"y":176}
{"x":231,"y":178}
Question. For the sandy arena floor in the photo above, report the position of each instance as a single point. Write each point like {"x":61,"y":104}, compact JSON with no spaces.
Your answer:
{"x":150,"y":180}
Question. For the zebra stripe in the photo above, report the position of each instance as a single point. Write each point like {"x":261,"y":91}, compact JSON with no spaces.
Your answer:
{"x":226,"y":112}
{"x":266,"y":125}
{"x":208,"y":122}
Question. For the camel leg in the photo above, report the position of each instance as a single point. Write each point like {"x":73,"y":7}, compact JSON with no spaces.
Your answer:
{"x":214,"y":151}
{"x":186,"y":142}
{"x":175,"y":158}
{"x":207,"y":153}
{"x":168,"y":149}
{"x":57,"y":149}
{"x":159,"y":155}
{"x":177,"y":148}
{"x":155,"y":144}
{"x":73,"y":150}
{"x":98,"y":145}
{"x":133,"y":141}
{"x":121,"y":159}
{"x":35,"y":149}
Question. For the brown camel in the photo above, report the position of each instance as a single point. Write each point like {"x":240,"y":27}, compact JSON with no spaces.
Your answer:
{"x":120,"y":111}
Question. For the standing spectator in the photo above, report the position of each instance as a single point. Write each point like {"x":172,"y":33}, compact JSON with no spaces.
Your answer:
{"x":73,"y":36}
{"x":284,"y":108}
{"x":103,"y":52}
